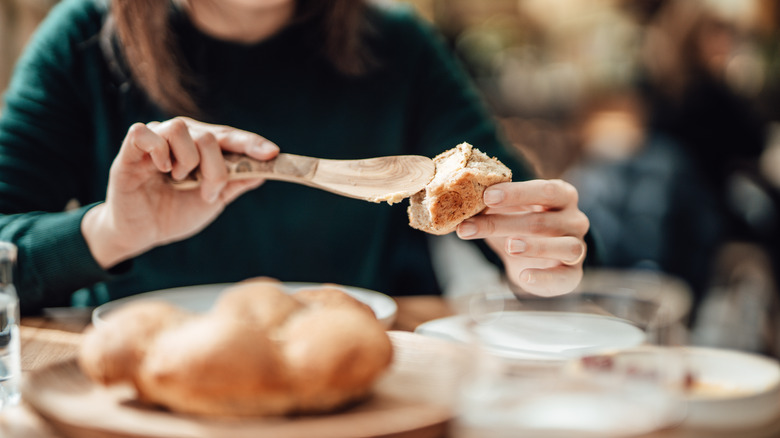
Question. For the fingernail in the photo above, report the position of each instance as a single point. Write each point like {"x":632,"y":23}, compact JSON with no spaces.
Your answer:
{"x":467,"y":229}
{"x":516,"y":246}
{"x":493,"y":196}
{"x":263,"y":148}
{"x":529,"y":278}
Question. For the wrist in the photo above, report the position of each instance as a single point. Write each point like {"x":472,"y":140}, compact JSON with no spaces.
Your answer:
{"x":107,"y":244}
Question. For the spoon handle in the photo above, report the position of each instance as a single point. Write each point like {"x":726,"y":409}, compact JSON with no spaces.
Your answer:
{"x":285,"y":167}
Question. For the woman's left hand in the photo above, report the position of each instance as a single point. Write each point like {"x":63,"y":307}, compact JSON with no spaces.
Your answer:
{"x":538,"y":230}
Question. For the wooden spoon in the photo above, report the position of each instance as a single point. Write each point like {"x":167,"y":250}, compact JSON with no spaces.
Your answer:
{"x":380,"y":179}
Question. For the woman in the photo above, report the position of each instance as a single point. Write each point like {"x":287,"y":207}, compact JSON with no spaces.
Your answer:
{"x":331,"y":79}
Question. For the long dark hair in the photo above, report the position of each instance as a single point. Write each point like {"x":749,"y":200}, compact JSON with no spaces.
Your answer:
{"x":152,"y":55}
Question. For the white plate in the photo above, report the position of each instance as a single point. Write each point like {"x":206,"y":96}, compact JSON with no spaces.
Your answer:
{"x":201,"y":298}
{"x":548,"y":336}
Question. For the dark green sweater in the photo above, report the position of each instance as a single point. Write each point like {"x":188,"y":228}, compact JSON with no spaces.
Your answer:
{"x":66,"y":113}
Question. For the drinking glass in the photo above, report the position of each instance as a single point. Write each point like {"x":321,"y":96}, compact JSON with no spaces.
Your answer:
{"x":10,"y":359}
{"x":553,"y":367}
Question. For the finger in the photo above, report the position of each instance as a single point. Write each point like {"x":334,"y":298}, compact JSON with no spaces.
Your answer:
{"x":517,"y":196}
{"x":234,"y":189}
{"x":214,"y":174}
{"x":515,"y":209}
{"x":186,"y":156}
{"x":550,"y":282}
{"x":247,"y":143}
{"x":567,"y":249}
{"x":547,"y":223}
{"x":238,"y":141}
{"x":141,"y":142}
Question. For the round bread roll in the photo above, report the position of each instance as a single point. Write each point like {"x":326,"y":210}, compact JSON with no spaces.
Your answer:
{"x":259,"y":351}
{"x":330,"y":295}
{"x":213,"y":365}
{"x":261,"y":279}
{"x":259,"y":301}
{"x":334,"y":355}
{"x":455,"y":192}
{"x":112,"y":352}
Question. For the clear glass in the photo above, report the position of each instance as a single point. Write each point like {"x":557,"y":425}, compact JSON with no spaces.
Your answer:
{"x":590,"y":374}
{"x":507,"y":400}
{"x":10,"y":358}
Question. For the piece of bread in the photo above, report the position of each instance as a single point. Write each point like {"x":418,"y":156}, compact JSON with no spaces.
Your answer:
{"x":216,"y":366}
{"x":259,"y":351}
{"x":331,"y":296}
{"x":455,"y":192}
{"x":258,"y":302}
{"x":110,"y":353}
{"x":334,"y":353}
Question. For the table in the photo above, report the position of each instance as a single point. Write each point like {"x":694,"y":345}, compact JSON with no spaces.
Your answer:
{"x":47,"y":340}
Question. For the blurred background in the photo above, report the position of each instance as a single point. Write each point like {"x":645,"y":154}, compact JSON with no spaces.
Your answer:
{"x":665,"y":114}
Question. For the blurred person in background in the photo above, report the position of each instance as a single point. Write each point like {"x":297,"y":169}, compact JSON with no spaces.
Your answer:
{"x":644,"y":196}
{"x":92,"y":119}
{"x":688,"y":53}
{"x":658,"y":158}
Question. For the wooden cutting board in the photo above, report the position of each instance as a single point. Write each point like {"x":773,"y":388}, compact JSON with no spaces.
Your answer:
{"x":413,"y":399}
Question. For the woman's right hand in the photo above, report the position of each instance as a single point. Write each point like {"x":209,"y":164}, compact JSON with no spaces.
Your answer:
{"x":143,"y":210}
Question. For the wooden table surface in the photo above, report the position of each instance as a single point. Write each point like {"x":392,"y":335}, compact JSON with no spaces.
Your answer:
{"x":48,"y":340}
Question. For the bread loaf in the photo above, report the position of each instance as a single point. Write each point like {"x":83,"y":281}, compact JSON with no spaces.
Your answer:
{"x":259,"y":351}
{"x":455,"y":192}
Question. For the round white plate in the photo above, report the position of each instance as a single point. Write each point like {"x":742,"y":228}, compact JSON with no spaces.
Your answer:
{"x":201,"y":298}
{"x":556,"y":336}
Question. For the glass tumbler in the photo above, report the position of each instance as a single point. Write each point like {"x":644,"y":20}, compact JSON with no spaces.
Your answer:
{"x":550,"y":368}
{"x":10,"y":359}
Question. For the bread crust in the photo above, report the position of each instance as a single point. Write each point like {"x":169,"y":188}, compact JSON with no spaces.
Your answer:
{"x":331,"y":296}
{"x":455,"y":193}
{"x":259,"y":302}
{"x":329,"y":375}
{"x":111,"y":353}
{"x":215,"y":366}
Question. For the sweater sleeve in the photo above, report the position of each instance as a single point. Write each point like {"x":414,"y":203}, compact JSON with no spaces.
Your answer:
{"x":45,"y":135}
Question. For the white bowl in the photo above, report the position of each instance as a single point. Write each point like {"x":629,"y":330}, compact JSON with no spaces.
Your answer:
{"x":717,"y":388}
{"x":731,"y":389}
